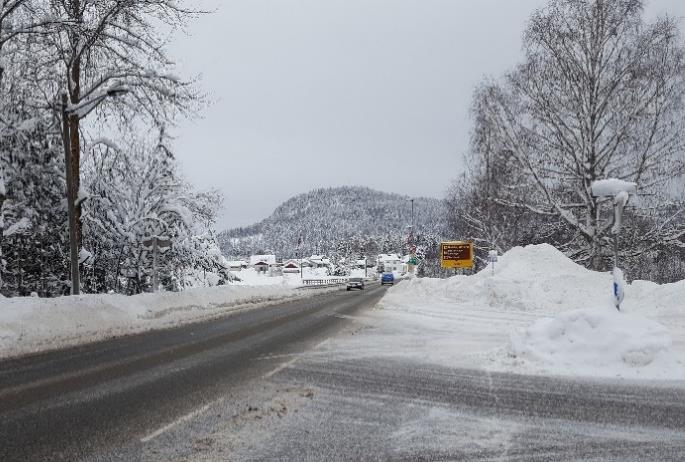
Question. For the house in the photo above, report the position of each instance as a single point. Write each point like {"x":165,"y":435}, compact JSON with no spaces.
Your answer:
{"x":262,"y":263}
{"x":391,"y":262}
{"x":319,"y":261}
{"x":237,"y":265}
{"x":293,"y":265}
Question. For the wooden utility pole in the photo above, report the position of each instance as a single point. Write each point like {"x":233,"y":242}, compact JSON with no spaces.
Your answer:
{"x":71,"y":198}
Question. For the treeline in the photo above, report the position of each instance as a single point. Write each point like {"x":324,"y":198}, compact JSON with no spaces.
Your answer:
{"x":108,"y":57}
{"x":599,"y":94}
{"x":345,"y":224}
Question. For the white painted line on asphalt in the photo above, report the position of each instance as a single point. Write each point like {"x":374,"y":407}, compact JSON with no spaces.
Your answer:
{"x":320,"y":344}
{"x":270,"y":357}
{"x":180,"y":420}
{"x":280,"y":368}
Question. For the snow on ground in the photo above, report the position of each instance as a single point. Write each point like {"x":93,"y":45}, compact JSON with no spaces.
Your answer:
{"x":591,"y":341}
{"x":538,"y":313}
{"x":251,"y":277}
{"x":31,"y":324}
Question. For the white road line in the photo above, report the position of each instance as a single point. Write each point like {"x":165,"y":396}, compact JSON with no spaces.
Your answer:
{"x":280,"y":368}
{"x":320,"y":344}
{"x":180,"y":420}
{"x":270,"y":357}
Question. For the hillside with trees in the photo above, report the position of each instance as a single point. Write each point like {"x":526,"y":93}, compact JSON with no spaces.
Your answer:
{"x":342,"y":223}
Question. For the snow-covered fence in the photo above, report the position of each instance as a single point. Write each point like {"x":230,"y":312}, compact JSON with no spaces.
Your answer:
{"x":323,"y":282}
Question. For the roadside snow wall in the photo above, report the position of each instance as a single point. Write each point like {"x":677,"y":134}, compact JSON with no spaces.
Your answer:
{"x":558,"y":315}
{"x":31,"y":324}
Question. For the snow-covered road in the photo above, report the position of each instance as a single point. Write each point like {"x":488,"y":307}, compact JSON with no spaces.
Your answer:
{"x":529,"y":364}
{"x":318,"y":408}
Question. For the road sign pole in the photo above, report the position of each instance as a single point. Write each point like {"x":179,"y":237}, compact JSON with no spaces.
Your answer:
{"x":155,"y":282}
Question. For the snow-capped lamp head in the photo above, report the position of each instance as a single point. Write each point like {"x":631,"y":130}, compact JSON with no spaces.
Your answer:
{"x":620,"y":191}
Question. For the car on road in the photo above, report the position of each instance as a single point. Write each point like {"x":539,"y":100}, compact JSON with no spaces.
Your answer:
{"x":355,"y":283}
{"x":387,"y":278}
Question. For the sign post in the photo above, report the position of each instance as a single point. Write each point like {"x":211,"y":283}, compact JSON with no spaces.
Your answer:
{"x":157,"y":244}
{"x":492,"y":258}
{"x":456,"y":254}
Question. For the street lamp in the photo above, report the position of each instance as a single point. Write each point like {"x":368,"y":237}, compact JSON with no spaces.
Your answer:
{"x":411,"y":225}
{"x":79,"y":111}
{"x":620,"y":191}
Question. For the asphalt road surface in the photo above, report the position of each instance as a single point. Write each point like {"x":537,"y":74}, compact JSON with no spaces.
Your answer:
{"x":262,"y":385}
{"x":92,"y":400}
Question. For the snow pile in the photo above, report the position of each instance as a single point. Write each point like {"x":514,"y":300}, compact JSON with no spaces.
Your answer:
{"x":29,"y":324}
{"x":596,"y":342}
{"x":538,"y":313}
{"x":537,"y":278}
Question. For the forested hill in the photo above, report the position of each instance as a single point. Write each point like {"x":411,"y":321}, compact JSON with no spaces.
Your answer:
{"x":344,"y":221}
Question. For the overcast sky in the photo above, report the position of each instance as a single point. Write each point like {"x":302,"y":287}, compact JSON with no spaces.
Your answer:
{"x":318,"y":93}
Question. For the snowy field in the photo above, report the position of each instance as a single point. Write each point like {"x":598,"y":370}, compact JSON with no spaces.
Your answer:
{"x":29,"y":324}
{"x":539,"y":313}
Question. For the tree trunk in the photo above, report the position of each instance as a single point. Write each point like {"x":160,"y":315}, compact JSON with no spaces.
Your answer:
{"x":74,"y":75}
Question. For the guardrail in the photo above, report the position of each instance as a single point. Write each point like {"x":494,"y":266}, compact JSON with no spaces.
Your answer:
{"x":323,"y":282}
{"x":330,"y":282}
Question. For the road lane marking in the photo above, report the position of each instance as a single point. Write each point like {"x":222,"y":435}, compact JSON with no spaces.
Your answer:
{"x":280,"y":368}
{"x":295,"y":355}
{"x":270,"y":357}
{"x":180,"y":420}
{"x":320,"y":344}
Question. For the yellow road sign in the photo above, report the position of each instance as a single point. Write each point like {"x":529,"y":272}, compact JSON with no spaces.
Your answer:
{"x":456,"y":254}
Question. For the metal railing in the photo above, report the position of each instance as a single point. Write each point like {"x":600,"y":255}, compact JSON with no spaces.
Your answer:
{"x":324,"y":282}
{"x":331,"y":282}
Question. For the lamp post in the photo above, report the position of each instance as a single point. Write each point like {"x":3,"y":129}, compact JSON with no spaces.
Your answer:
{"x":412,"y":215}
{"x":80,"y":110}
{"x":412,"y":247}
{"x":620,"y":191}
{"x":411,"y":224}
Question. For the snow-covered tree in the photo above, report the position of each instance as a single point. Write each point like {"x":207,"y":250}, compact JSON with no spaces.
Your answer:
{"x":133,"y":193}
{"x":32,"y":209}
{"x":88,"y":48}
{"x":105,"y":46}
{"x":599,"y":95}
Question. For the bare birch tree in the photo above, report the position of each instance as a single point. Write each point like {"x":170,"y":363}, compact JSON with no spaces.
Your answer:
{"x":600,"y":94}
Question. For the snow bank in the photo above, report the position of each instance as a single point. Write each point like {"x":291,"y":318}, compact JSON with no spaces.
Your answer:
{"x":594,"y":342}
{"x":536,"y":278}
{"x":538,"y":313}
{"x":29,"y":324}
